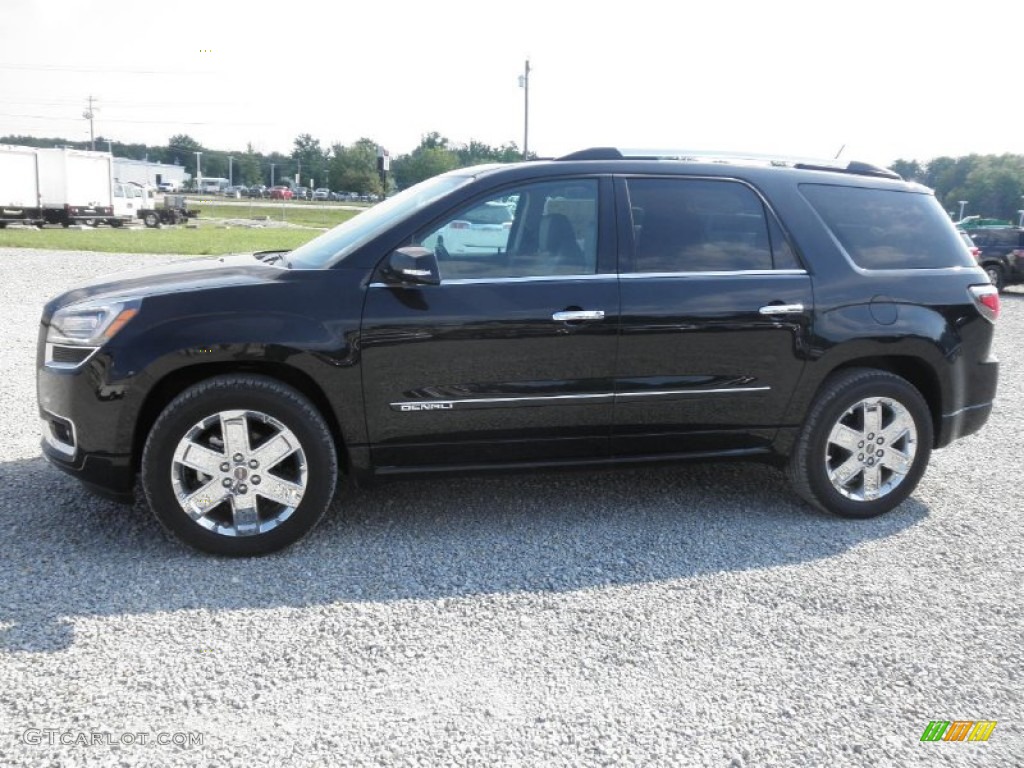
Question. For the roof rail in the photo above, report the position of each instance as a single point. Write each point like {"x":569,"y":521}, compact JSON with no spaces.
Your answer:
{"x":807,"y":164}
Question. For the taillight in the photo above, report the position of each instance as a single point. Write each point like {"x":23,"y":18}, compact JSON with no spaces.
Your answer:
{"x":986,"y":299}
{"x":976,"y":253}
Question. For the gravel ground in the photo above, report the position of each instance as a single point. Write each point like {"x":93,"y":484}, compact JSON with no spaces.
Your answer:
{"x":687,"y":616}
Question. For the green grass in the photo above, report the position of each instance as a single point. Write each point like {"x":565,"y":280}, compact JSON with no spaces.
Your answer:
{"x":306,"y":216}
{"x":172,"y":240}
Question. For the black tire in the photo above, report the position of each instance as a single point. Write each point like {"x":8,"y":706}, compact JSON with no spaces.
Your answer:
{"x":267,"y":404}
{"x":151,"y":220}
{"x":115,"y":223}
{"x":839,"y":404}
{"x":996,"y":276}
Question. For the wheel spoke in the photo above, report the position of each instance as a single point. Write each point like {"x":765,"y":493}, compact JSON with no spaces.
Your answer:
{"x":282,"y":491}
{"x":244,"y":514}
{"x":199,"y":458}
{"x":235,"y":429}
{"x":900,"y":426}
{"x":872,"y":418}
{"x":274,"y":451}
{"x":845,"y":472}
{"x":845,"y":437}
{"x":872,"y":482}
{"x":201,"y":501}
{"x":897,"y":461}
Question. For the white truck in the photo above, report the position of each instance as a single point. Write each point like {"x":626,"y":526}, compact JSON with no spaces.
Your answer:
{"x":19,"y":185}
{"x":67,"y":186}
{"x":75,"y":186}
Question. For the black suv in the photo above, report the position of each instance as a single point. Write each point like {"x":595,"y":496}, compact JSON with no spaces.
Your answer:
{"x":827,"y":319}
{"x":1001,"y":253}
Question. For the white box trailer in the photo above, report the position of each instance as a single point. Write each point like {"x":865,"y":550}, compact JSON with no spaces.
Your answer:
{"x":19,"y":185}
{"x":75,"y":186}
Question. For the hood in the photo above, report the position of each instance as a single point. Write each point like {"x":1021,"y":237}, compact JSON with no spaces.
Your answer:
{"x":174,"y":277}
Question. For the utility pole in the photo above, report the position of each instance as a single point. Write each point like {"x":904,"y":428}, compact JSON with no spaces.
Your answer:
{"x":272,"y":173}
{"x":199,"y":173}
{"x":231,"y":176}
{"x":962,"y":203}
{"x":89,"y":114}
{"x":524,"y":83}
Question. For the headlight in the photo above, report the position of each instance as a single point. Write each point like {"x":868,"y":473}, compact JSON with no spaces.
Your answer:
{"x":78,"y":330}
{"x":91,"y":323}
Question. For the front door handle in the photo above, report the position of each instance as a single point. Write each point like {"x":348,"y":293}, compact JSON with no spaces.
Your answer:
{"x":782,"y":309}
{"x":575,"y":315}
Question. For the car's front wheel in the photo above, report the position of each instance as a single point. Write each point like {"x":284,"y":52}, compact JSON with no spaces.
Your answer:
{"x":864,"y":445}
{"x":239,"y":465}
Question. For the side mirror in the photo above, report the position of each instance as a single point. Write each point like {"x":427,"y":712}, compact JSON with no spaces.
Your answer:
{"x":412,"y":265}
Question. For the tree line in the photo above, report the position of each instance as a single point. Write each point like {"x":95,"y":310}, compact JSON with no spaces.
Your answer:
{"x":351,"y":167}
{"x":991,"y":185}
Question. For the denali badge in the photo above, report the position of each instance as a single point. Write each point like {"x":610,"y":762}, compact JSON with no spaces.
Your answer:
{"x":425,"y":406}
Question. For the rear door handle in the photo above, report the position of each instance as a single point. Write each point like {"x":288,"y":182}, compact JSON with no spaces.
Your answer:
{"x":575,"y":315}
{"x":782,"y":309}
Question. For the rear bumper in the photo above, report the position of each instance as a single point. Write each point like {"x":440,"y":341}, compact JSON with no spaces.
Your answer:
{"x":968,"y":419}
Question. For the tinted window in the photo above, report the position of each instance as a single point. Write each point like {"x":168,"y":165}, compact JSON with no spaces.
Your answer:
{"x":1003,"y":238}
{"x":536,"y":230}
{"x":888,"y":229}
{"x":489,"y":213}
{"x":691,"y":225}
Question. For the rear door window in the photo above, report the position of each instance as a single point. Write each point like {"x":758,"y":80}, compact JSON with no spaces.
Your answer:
{"x":888,"y":229}
{"x":701,"y":225}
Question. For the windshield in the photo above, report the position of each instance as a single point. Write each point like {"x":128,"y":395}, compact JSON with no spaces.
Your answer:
{"x":347,"y":237}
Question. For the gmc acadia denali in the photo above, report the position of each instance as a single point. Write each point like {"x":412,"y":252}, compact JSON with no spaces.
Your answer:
{"x":600,"y":308}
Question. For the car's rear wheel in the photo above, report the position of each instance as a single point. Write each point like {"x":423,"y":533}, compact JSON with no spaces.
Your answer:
{"x":239,"y":465}
{"x":996,"y":276}
{"x":864,"y":446}
{"x":151,"y":220}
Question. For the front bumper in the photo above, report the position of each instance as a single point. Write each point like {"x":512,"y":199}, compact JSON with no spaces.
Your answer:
{"x":110,"y":476}
{"x":83,"y":430}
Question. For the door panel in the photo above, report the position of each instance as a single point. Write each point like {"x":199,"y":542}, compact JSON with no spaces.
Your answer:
{"x":715,"y":311}
{"x":701,"y":368}
{"x":484,"y":368}
{"x":478,"y":373}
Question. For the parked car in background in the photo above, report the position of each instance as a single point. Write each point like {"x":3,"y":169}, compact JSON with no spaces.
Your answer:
{"x":280,"y":193}
{"x":482,"y":230}
{"x":822,"y":317}
{"x":322,"y":193}
{"x":236,"y":191}
{"x":167,"y":186}
{"x":975,"y":250}
{"x":258,"y":190}
{"x":302,"y":193}
{"x":1001,"y":254}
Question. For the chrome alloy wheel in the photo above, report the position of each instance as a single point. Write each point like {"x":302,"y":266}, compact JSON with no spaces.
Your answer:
{"x":871,"y":449}
{"x":239,"y":473}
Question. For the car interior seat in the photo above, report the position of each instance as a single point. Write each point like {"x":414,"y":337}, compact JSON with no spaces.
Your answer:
{"x":558,"y":242}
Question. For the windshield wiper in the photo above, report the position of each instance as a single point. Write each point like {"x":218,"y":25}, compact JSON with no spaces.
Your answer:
{"x":270,"y":257}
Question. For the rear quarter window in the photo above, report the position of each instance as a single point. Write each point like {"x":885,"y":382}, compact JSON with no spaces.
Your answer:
{"x":888,"y":229}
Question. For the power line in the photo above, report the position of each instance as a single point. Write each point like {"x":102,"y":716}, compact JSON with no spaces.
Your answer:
{"x":106,"y":70}
{"x":141,"y":122}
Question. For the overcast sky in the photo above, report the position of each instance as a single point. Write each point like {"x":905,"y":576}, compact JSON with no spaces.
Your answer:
{"x":896,"y":79}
